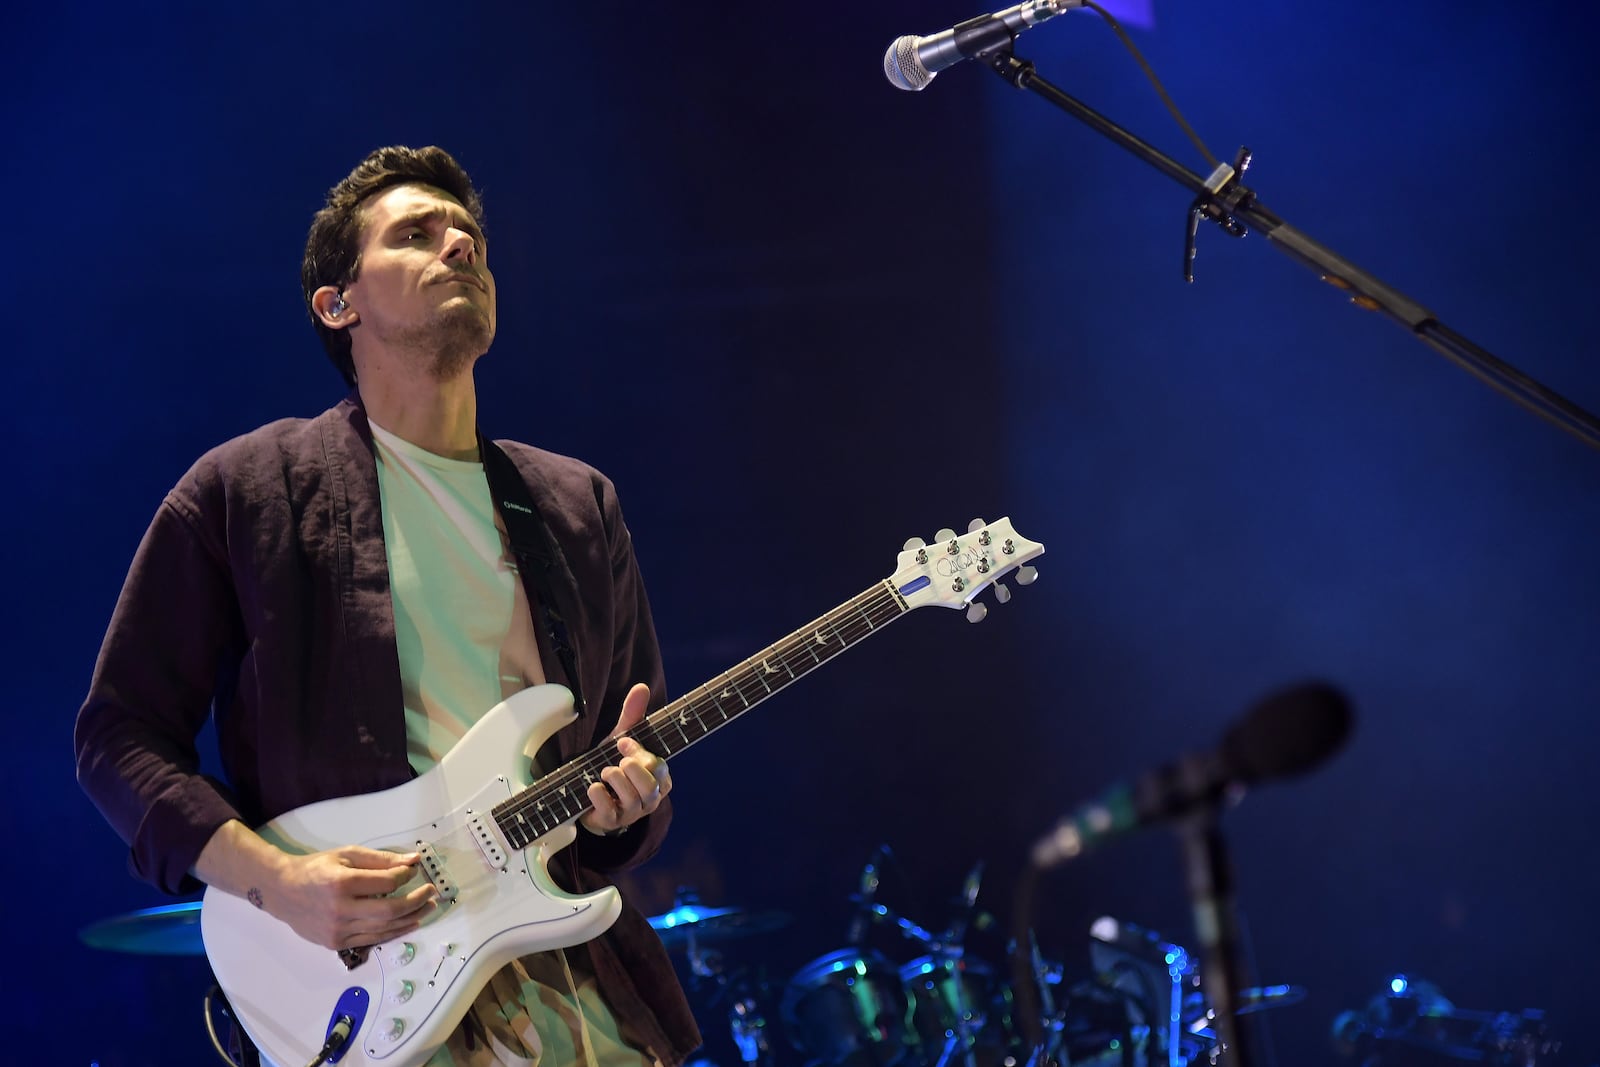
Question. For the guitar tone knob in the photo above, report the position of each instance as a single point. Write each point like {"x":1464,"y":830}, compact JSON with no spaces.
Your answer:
{"x":402,"y":992}
{"x":393,"y":1029}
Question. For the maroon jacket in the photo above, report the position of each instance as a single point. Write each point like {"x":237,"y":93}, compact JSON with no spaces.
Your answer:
{"x":261,"y":590}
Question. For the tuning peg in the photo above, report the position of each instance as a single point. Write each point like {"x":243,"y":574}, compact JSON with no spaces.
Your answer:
{"x":1026,"y":575}
{"x":945,"y":534}
{"x":914,"y":543}
{"x":1002,"y":592}
{"x":976,"y":611}
{"x":975,"y":525}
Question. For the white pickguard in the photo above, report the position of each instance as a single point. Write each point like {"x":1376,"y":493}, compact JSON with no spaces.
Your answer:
{"x":287,"y":991}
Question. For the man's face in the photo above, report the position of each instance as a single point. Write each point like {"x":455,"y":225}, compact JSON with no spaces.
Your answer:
{"x":424,"y":283}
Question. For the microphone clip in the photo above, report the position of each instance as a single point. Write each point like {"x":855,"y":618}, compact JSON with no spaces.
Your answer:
{"x":1224,"y":195}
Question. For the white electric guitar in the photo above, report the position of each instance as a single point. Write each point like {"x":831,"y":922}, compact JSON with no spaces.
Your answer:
{"x":486,"y":835}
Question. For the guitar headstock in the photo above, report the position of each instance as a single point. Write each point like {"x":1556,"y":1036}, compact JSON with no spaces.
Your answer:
{"x":954,"y":569}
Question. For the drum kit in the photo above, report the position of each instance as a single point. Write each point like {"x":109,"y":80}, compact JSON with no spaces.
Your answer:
{"x":859,"y":1006}
{"x":944,"y":1005}
{"x":1412,"y":1024}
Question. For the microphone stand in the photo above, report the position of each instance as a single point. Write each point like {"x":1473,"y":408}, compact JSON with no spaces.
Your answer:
{"x":1216,"y":923}
{"x":1226,"y":201}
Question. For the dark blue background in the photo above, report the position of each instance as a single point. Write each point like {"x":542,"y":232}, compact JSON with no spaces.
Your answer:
{"x":799,"y":317}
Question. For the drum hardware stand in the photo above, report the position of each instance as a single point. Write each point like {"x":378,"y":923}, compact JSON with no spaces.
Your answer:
{"x":688,"y":927}
{"x":746,"y":1024}
{"x":1047,"y":1050}
{"x":749,"y":1029}
{"x":946,"y":953}
{"x":1161,"y":970}
{"x":961,"y":1037}
{"x":1035,"y":1007}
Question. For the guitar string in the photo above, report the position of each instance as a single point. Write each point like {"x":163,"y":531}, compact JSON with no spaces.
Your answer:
{"x":653,"y":725}
{"x":797,"y":653}
{"x":741,"y":680}
{"x":560,"y":785}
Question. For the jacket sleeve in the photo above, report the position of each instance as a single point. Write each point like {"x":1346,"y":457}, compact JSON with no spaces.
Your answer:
{"x":635,"y":657}
{"x":152,"y":689}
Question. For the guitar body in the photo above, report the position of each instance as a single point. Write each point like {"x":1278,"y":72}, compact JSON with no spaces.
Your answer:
{"x":497,"y":903}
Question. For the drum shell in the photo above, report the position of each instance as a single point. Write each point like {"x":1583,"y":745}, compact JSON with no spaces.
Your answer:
{"x":951,"y":994}
{"x":847,"y":1007}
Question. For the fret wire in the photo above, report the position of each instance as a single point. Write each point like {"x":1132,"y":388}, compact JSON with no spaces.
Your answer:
{"x":879,"y":598}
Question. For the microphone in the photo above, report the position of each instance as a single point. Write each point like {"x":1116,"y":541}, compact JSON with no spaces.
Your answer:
{"x":863,"y":899}
{"x":1286,"y":734}
{"x":911,"y":62}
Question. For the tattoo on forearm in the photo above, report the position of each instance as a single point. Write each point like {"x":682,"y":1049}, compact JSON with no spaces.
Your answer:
{"x":253,"y":895}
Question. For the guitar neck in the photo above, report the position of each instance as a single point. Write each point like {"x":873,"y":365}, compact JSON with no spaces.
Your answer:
{"x":734,"y":692}
{"x":562,"y":795}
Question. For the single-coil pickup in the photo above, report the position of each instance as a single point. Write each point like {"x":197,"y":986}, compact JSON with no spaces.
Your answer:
{"x":433,"y":867}
{"x":487,"y":842}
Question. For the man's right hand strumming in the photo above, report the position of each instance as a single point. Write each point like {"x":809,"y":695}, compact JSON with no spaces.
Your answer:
{"x":339,"y":898}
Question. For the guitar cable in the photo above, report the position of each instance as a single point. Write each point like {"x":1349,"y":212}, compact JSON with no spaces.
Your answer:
{"x":211,"y":1026}
{"x":241,"y":1053}
{"x":338,"y":1037}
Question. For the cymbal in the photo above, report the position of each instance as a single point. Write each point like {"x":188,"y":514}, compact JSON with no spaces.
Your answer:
{"x":170,"y":930}
{"x":701,"y":924}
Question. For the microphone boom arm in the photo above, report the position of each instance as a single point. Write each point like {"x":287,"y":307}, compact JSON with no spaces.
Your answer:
{"x":1225,"y":199}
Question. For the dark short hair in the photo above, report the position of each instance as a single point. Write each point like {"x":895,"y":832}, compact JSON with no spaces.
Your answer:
{"x":333,"y":248}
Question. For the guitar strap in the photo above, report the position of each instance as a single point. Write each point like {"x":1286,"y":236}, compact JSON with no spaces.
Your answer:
{"x":538,"y":555}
